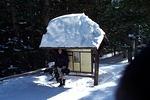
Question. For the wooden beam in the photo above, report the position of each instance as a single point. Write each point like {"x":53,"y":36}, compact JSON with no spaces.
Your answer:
{"x":67,"y":47}
{"x":96,"y":72}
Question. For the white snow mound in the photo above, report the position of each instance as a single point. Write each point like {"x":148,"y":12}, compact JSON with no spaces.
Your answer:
{"x":73,"y":30}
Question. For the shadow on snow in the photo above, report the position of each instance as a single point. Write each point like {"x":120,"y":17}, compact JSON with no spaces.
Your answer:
{"x":24,"y":88}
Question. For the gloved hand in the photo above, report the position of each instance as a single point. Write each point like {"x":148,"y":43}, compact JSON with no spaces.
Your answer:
{"x":65,"y":71}
{"x":63,"y":67}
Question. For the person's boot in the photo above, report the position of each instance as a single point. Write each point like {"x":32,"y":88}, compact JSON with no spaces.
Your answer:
{"x":63,"y":82}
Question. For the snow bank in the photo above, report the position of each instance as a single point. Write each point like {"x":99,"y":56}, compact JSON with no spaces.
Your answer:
{"x":73,"y":30}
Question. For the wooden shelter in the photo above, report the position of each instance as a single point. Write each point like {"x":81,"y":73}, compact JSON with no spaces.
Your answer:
{"x":81,"y":38}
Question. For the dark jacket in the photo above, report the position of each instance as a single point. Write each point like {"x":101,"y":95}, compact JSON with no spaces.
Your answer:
{"x":61,"y":59}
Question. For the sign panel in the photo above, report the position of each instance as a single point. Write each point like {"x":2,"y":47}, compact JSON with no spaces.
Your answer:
{"x":80,"y":60}
{"x":86,"y":62}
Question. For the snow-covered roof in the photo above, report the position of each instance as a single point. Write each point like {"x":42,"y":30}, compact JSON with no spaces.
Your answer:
{"x":73,"y":30}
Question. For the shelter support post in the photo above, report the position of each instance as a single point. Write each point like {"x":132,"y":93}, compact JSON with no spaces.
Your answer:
{"x":96,"y":69}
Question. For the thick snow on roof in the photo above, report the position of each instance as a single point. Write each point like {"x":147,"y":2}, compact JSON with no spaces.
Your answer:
{"x":73,"y":30}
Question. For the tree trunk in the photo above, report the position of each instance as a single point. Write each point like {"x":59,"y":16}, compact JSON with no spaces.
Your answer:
{"x":13,"y":15}
{"x":45,"y":12}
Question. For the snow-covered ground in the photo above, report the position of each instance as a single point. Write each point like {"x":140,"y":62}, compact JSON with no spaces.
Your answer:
{"x":37,"y":87}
